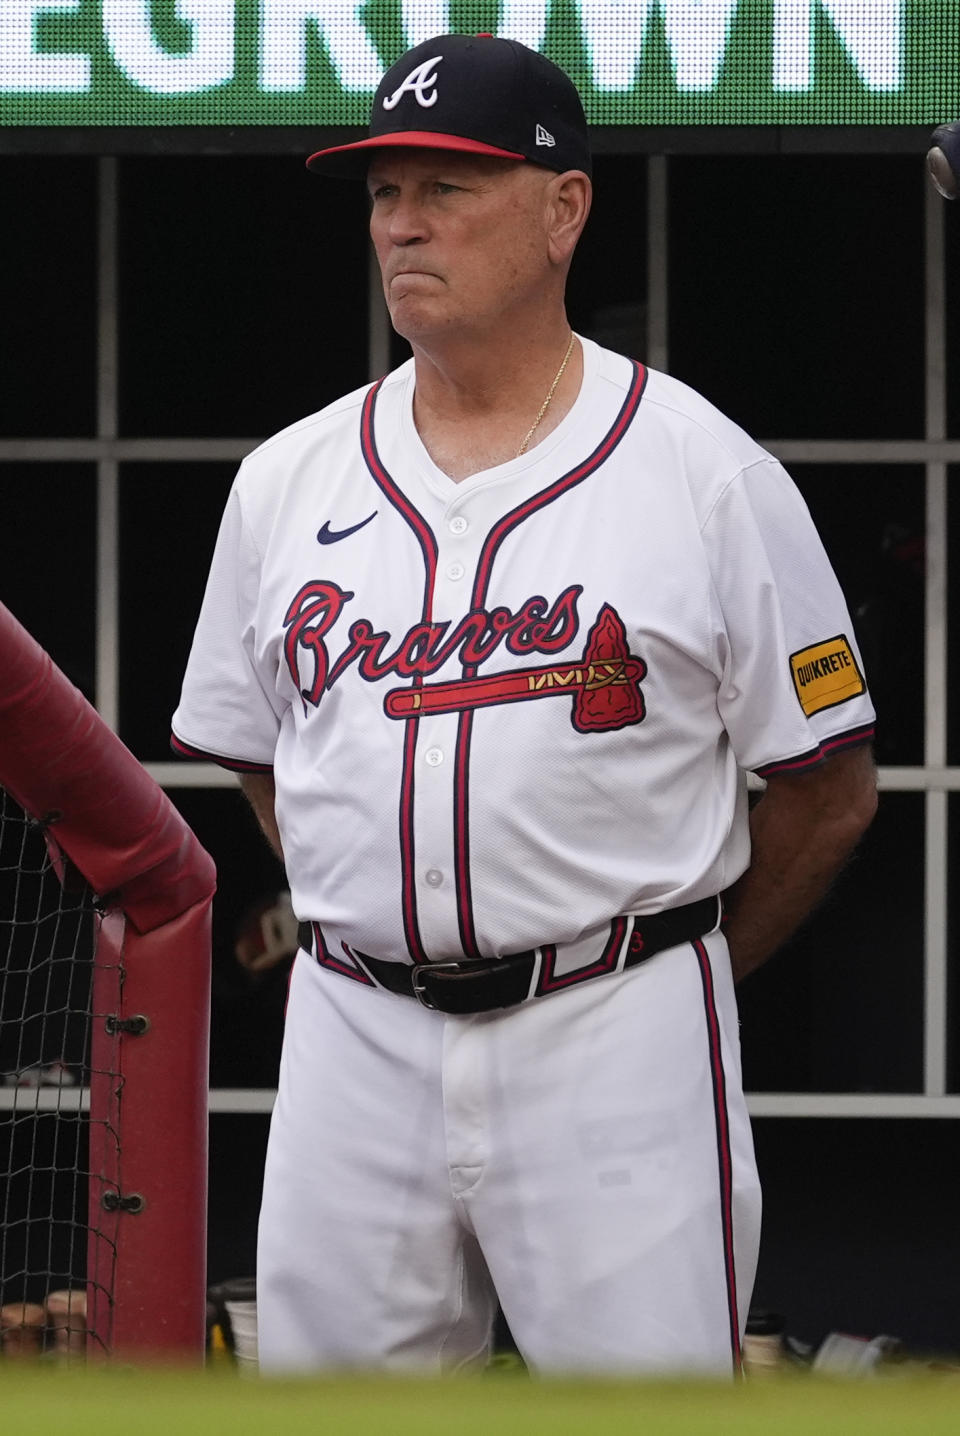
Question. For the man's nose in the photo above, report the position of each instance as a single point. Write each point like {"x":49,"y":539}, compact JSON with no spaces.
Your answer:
{"x":407,"y":224}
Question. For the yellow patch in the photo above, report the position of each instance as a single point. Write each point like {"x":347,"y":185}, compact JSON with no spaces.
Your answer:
{"x":826,"y":674}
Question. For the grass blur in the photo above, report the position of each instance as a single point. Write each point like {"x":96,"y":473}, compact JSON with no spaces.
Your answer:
{"x":175,"y":1402}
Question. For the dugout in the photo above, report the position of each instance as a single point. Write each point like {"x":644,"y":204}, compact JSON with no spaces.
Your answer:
{"x":175,"y":287}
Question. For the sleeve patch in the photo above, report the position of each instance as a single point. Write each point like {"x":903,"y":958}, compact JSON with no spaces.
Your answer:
{"x":826,"y":674}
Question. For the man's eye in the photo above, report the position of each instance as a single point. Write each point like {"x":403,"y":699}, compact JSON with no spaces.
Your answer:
{"x":442,"y":187}
{"x":382,"y":191}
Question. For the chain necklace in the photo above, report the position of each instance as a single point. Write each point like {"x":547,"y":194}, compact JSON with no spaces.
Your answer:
{"x":550,"y":393}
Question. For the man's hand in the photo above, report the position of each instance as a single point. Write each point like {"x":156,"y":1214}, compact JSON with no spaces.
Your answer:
{"x":802,"y":831}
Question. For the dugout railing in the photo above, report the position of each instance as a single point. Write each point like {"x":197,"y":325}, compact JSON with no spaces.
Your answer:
{"x":145,"y":1068}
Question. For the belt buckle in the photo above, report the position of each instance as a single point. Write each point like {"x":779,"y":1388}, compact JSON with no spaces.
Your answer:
{"x":416,"y":979}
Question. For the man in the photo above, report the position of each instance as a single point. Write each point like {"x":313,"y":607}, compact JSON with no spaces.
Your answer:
{"x":492,"y":643}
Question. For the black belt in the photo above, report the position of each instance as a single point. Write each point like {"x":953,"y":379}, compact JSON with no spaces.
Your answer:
{"x":483,"y":985}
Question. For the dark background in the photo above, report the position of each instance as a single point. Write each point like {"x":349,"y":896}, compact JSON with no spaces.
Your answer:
{"x":796,"y":303}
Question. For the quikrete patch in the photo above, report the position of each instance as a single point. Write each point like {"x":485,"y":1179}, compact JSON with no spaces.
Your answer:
{"x":826,"y":674}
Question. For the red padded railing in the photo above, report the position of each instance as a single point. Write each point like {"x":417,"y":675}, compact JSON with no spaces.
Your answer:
{"x":150,"y":1005}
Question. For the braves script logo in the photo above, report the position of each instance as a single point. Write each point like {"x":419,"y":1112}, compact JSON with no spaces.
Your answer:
{"x":604,"y":683}
{"x":421,"y":81}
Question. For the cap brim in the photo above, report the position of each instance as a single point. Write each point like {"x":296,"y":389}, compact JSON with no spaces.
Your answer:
{"x":352,"y":160}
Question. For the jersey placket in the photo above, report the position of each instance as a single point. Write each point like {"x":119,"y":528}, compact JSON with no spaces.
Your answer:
{"x":458,"y":537}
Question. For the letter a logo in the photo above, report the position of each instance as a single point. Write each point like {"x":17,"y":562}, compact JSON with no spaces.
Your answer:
{"x":422,"y":81}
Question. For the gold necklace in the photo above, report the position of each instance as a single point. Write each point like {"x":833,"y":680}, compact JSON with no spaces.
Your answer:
{"x":550,"y":393}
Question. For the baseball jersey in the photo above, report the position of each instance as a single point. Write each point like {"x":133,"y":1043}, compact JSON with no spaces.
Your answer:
{"x":508,"y":711}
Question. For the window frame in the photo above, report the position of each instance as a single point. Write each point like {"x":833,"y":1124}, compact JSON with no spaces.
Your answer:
{"x":934,"y":778}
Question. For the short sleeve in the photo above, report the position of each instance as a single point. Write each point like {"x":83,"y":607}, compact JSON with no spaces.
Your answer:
{"x":228,"y":711}
{"x":793,"y":689}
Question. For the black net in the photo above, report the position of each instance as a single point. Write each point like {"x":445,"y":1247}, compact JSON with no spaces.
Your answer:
{"x":46,"y":963}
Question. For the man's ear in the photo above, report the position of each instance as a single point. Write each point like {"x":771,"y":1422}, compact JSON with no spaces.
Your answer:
{"x":569,"y":197}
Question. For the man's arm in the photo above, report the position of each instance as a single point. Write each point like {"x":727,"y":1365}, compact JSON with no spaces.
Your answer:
{"x":261,"y":793}
{"x":802,"y":831}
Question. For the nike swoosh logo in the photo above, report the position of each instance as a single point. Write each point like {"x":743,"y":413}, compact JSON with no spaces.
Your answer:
{"x":329,"y":535}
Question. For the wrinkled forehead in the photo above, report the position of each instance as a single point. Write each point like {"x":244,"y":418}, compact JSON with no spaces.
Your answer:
{"x":396,"y":162}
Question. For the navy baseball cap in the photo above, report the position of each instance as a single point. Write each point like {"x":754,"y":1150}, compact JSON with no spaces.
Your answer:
{"x":477,"y":94}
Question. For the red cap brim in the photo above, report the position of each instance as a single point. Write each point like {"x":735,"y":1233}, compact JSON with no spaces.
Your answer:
{"x":349,"y":159}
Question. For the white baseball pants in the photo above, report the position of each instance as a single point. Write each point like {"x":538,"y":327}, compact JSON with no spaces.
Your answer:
{"x":586,"y":1157}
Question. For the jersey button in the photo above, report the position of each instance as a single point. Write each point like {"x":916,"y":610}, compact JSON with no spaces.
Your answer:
{"x":434,"y":757}
{"x":455,"y":571}
{"x":459,"y":525}
{"x":434,"y":877}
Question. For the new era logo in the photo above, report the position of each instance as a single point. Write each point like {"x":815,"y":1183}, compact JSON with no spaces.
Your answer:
{"x":544,"y":137}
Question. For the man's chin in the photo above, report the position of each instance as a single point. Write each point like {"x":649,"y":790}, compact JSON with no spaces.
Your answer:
{"x":416,"y":321}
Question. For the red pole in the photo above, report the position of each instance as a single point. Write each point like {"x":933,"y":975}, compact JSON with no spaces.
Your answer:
{"x":104,"y":1134}
{"x":161,"y":1263}
{"x":147,"y":1245}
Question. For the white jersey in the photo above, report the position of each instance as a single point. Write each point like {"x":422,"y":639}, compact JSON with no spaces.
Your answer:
{"x":505,"y":713}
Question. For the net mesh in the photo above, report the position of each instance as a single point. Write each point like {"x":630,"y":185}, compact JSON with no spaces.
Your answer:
{"x":47,"y":930}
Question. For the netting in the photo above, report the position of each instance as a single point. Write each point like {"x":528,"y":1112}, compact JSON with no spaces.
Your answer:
{"x":47,"y":929}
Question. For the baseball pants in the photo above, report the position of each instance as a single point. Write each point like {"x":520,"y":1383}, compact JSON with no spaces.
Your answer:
{"x":586,"y":1158}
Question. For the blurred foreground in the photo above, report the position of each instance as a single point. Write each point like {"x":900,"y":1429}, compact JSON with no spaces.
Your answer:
{"x":86,"y":1402}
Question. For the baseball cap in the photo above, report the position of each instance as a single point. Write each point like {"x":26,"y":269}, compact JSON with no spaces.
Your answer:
{"x":477,"y":94}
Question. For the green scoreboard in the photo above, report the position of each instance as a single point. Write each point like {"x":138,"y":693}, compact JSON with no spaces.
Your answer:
{"x":317,"y":62}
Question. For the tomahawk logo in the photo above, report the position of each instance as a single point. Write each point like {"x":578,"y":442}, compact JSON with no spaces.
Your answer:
{"x":544,"y":137}
{"x":422,"y":81}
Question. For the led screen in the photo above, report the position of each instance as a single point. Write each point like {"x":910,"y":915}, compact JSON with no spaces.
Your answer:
{"x":317,"y":62}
